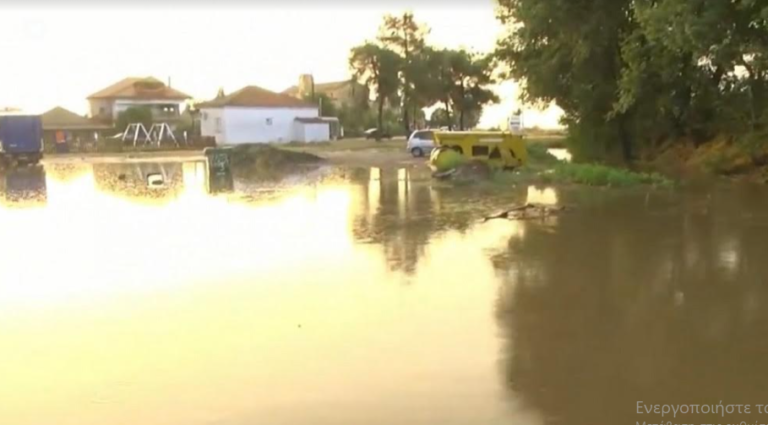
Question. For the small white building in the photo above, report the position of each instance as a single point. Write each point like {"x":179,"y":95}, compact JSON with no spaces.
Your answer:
{"x":255,"y":115}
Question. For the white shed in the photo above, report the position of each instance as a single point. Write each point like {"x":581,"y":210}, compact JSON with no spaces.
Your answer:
{"x":255,"y":115}
{"x":311,"y":130}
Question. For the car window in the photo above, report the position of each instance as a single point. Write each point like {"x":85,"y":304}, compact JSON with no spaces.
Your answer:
{"x":424,"y":135}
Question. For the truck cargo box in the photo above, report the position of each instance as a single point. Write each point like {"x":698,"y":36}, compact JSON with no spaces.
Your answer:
{"x":21,"y":137}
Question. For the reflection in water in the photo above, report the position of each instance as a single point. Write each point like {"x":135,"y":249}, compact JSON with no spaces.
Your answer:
{"x":175,"y":307}
{"x":561,"y":154}
{"x":369,"y":297}
{"x":546,"y":196}
{"x":628,"y":301}
{"x":23,"y":187}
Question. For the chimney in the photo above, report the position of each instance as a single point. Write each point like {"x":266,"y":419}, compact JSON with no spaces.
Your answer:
{"x":306,"y":85}
{"x":169,"y":81}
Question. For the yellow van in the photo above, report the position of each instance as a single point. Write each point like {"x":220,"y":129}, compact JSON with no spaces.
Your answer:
{"x":498,"y":149}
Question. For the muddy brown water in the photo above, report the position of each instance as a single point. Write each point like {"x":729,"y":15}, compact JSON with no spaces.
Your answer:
{"x":373,"y":296}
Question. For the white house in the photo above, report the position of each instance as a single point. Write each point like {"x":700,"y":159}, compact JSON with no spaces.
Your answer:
{"x":255,"y":115}
{"x":164,"y":101}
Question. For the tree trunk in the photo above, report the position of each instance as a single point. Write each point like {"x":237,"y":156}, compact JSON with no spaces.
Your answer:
{"x":380,"y":119}
{"x":461,"y":107}
{"x":406,"y":97}
{"x":448,"y":114}
{"x":626,"y":141}
{"x":406,"y":118}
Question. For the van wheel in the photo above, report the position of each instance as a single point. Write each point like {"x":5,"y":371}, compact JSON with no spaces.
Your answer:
{"x":417,"y":152}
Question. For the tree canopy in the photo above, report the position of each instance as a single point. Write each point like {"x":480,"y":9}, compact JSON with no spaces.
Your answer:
{"x":415,"y":75}
{"x":134,"y":115}
{"x":377,"y":67}
{"x":634,"y":74}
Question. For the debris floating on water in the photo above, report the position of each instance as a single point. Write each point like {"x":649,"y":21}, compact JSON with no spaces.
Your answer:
{"x":528,"y":212}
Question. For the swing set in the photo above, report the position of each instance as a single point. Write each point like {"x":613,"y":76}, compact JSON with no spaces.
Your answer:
{"x":156,"y":135}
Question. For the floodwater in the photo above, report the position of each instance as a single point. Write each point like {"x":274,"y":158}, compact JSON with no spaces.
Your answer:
{"x":371,"y":296}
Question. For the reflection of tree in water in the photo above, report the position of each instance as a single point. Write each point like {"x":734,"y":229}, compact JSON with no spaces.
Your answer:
{"x":130,"y":180}
{"x":403,"y":209}
{"x":623,"y":304}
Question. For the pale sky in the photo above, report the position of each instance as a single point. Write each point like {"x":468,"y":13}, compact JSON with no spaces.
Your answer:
{"x":58,"y":57}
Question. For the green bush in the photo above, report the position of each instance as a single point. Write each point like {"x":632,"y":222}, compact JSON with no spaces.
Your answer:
{"x":602,"y":175}
{"x":141,"y":114}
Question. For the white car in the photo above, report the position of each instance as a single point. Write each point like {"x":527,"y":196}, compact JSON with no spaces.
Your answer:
{"x":421,"y":143}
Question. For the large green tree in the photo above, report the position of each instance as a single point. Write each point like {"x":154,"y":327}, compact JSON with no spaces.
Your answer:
{"x":709,"y":57}
{"x":134,"y":115}
{"x":569,"y":52}
{"x":377,"y":67}
{"x":403,"y":35}
{"x":470,"y":75}
{"x":636,"y":73}
{"x":460,"y":82}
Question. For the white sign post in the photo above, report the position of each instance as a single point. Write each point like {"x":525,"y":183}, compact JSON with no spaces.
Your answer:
{"x":516,"y":123}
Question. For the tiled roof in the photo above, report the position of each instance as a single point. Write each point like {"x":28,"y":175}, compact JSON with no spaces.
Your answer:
{"x":254,"y":96}
{"x":139,"y":88}
{"x":59,"y":118}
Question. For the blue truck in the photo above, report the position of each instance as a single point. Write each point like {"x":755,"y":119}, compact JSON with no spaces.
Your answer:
{"x":21,"y":139}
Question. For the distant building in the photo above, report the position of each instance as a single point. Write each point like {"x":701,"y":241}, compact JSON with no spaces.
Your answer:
{"x":255,"y":115}
{"x":347,"y":92}
{"x":164,"y":101}
{"x":71,"y":127}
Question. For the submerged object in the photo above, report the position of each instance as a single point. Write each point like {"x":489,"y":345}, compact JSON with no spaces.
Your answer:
{"x":528,"y":211}
{"x":444,"y":159}
{"x":497,"y":149}
{"x":155,"y":181}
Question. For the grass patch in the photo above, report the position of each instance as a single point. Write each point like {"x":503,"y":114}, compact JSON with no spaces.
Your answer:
{"x":267,"y":163}
{"x":602,"y":175}
{"x":268,"y":157}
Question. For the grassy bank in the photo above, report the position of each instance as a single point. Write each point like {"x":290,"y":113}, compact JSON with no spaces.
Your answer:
{"x":545,"y":168}
{"x":746,"y":160}
{"x":603,"y":175}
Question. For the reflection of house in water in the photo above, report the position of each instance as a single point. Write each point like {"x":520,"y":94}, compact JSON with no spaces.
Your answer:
{"x":24,"y":187}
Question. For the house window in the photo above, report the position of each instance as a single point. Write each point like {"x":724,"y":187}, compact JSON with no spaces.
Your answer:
{"x":269,"y":121}
{"x":218,"y":125}
{"x":102,"y":111}
{"x":205,"y":116}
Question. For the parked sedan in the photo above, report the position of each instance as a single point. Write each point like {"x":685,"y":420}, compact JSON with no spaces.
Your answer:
{"x":421,"y":143}
{"x":375,"y":133}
